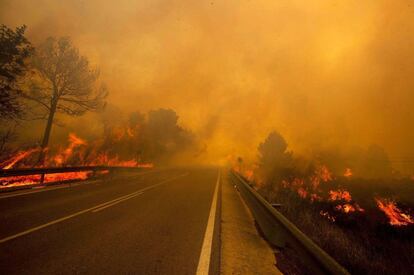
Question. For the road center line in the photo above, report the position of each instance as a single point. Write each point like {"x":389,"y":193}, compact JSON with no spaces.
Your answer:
{"x":205,"y":255}
{"x":87,"y":210}
{"x":118,"y":201}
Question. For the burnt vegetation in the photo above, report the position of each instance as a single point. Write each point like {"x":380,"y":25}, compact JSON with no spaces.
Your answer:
{"x":362,"y":216}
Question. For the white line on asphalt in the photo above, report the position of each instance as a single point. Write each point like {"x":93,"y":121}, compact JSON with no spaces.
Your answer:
{"x":66,"y":185}
{"x":118,"y":201}
{"x":205,"y":255}
{"x":86,"y":210}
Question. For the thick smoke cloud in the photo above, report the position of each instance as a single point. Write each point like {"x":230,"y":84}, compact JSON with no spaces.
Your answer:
{"x":326,"y":74}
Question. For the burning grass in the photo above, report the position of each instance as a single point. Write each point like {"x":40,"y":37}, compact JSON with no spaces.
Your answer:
{"x":76,"y":153}
{"x":366,"y":225}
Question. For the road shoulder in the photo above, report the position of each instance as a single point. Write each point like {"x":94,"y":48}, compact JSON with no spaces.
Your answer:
{"x":243,"y":251}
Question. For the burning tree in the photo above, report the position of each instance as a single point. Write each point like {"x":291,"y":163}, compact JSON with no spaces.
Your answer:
{"x":63,"y":82}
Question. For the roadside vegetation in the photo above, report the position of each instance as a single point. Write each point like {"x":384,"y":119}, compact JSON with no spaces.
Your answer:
{"x":364,"y":221}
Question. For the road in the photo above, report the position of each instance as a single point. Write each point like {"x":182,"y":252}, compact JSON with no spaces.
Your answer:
{"x":132,"y":223}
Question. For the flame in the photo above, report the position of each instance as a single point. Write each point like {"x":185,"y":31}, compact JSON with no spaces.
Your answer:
{"x":62,"y":157}
{"x":323,"y":173}
{"x":340,"y":195}
{"x":34,"y":179}
{"x":310,"y":189}
{"x":302,"y":192}
{"x":8,"y":164}
{"x":348,"y":173}
{"x":347,"y":208}
{"x":395,"y":215}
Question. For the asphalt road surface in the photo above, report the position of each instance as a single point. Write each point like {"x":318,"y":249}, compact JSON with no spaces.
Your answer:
{"x":131,"y":223}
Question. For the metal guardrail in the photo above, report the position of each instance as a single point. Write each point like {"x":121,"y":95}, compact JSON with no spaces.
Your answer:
{"x":4,"y":173}
{"x":54,"y":170}
{"x":279,"y":231}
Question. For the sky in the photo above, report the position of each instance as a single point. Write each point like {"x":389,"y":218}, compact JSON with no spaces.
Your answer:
{"x":322,"y":73}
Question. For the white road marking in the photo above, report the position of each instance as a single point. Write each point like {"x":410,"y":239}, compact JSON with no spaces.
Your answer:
{"x":205,"y":255}
{"x":87,"y":210}
{"x":118,"y":201}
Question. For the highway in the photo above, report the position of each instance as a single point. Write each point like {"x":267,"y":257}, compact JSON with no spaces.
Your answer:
{"x":155,"y":222}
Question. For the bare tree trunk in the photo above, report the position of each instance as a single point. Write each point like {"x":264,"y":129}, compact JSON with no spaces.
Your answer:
{"x":46,"y":136}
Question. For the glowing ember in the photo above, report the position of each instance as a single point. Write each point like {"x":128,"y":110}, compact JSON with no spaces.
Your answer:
{"x":395,"y":216}
{"x":327,"y":215}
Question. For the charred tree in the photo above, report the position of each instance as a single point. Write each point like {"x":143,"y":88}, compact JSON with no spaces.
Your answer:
{"x":63,"y":82}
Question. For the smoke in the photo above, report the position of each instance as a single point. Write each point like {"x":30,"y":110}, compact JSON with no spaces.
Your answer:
{"x":326,"y":74}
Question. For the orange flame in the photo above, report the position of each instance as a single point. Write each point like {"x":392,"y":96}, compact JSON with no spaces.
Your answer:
{"x":34,"y":179}
{"x":340,"y":195}
{"x":60,"y":159}
{"x":74,"y":142}
{"x":18,"y":157}
{"x":347,"y":208}
{"x":395,"y":216}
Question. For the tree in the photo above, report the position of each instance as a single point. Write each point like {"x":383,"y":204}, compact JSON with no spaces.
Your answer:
{"x":63,"y":82}
{"x":163,"y":136}
{"x":274,"y":157}
{"x":14,"y":50}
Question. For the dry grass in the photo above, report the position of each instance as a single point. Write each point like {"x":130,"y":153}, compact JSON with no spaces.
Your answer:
{"x":362,"y":243}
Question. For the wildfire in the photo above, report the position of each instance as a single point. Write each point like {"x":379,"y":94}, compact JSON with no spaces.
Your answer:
{"x":348,"y":208}
{"x":74,"y":141}
{"x":74,"y":152}
{"x":309,"y":188}
{"x":340,"y":195}
{"x":395,"y":215}
{"x":8,"y":164}
{"x":8,"y":182}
